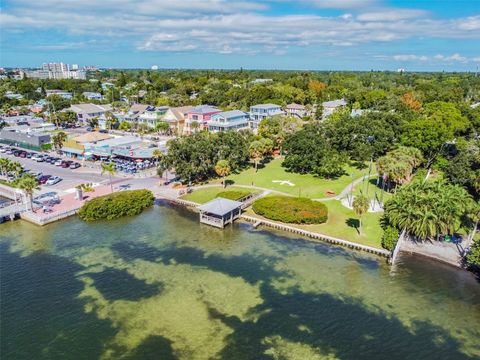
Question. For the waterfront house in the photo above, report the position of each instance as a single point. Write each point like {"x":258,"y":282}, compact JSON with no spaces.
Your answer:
{"x":262,"y":111}
{"x":175,"y":117}
{"x":220,"y":212}
{"x":228,"y":120}
{"x":330,"y":106}
{"x":201,"y":114}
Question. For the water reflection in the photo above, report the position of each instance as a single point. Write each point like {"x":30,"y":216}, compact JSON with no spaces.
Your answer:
{"x":162,"y":284}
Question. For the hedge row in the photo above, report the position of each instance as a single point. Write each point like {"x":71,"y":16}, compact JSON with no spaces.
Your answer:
{"x":233,"y":194}
{"x":291,"y":210}
{"x":112,"y":206}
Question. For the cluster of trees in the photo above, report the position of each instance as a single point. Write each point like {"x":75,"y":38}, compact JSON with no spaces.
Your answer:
{"x":195,"y":157}
{"x":429,"y":210}
{"x":10,"y":169}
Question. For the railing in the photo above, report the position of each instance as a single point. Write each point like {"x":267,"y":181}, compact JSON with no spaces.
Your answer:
{"x":45,"y":219}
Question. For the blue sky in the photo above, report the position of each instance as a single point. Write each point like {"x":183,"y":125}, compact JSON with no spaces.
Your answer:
{"x":271,"y":34}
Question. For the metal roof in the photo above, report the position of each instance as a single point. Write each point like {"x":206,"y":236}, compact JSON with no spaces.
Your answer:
{"x":230,"y":114}
{"x":220,"y":206}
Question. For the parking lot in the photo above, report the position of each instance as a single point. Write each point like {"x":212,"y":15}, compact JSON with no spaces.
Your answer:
{"x":69,"y":177}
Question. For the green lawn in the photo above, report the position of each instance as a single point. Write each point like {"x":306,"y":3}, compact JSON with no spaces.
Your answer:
{"x":204,"y":195}
{"x":306,"y":185}
{"x":341,"y":224}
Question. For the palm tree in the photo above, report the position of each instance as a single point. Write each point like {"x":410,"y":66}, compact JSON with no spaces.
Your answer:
{"x":110,"y":169}
{"x":58,"y":139}
{"x":360,"y":204}
{"x":4,"y":163}
{"x":162,"y":127}
{"x":222,"y":168}
{"x":194,"y":125}
{"x":256,"y":151}
{"x":428,"y":209}
{"x":14,"y":167}
{"x":28,"y":183}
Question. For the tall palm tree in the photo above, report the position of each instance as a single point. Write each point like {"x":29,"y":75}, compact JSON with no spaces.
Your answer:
{"x":110,"y":170}
{"x":360,"y":204}
{"x":256,"y":150}
{"x":222,"y":168}
{"x":28,"y":183}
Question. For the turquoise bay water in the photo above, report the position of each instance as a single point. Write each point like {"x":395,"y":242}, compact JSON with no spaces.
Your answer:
{"x":162,"y":286}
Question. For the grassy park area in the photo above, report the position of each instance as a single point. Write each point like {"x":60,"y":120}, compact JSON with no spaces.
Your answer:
{"x":274,"y":176}
{"x":342,"y":223}
{"x":206,"y":194}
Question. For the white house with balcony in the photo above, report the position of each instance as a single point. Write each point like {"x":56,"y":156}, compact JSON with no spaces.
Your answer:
{"x":262,"y":111}
{"x":233,"y":120}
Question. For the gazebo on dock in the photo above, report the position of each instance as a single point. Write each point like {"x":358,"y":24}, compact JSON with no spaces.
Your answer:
{"x":220,"y":212}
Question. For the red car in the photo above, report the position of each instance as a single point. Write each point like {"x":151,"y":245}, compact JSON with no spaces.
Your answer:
{"x":43,"y":180}
{"x":66,"y":164}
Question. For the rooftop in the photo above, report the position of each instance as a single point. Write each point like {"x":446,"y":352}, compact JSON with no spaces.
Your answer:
{"x":231,"y":114}
{"x":265,"y":106}
{"x":92,"y":137}
{"x":204,"y":109}
{"x":335,"y":103}
{"x":220,"y":206}
{"x":89,"y":108}
{"x":295,"y":106}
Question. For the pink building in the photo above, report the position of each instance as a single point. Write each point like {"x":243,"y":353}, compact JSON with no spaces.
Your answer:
{"x":201,"y":114}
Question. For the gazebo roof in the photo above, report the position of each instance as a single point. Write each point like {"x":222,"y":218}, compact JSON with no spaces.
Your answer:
{"x":220,"y":206}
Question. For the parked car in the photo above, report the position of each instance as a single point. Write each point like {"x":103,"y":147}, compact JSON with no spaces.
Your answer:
{"x":16,"y":153}
{"x":9,"y":152}
{"x":23,"y":154}
{"x":74,"y":165}
{"x":53,"y":180}
{"x":44,"y":178}
{"x":3,"y":149}
{"x":59,"y":162}
{"x":66,"y":164}
{"x":39,"y":158}
{"x":89,"y":129}
{"x":29,"y":155}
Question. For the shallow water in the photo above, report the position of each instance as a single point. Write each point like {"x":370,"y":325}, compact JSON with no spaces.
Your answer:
{"x":162,"y":286}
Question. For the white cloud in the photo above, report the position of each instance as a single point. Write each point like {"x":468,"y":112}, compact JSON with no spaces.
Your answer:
{"x":410,"y":57}
{"x":437,"y":58}
{"x":391,"y":15}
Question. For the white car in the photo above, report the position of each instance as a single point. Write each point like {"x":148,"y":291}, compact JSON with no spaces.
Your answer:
{"x":2,"y":150}
{"x":53,"y":180}
{"x":58,"y":162}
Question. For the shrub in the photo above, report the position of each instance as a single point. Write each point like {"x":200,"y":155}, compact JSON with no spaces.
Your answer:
{"x":112,"y":206}
{"x":390,"y":237}
{"x":291,"y":210}
{"x":233,"y":194}
{"x":473,"y":257}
